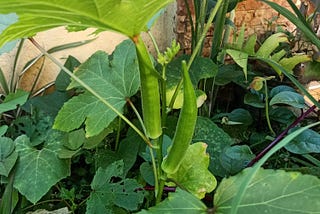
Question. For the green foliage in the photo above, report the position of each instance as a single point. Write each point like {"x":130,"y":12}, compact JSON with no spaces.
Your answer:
{"x":307,"y":142}
{"x":115,"y":77}
{"x":38,"y":170}
{"x":8,"y":155}
{"x":270,"y":191}
{"x":105,"y":193}
{"x":36,"y":16}
{"x":193,"y":173}
{"x":178,"y":202}
{"x":13,"y":100}
{"x":289,"y":98}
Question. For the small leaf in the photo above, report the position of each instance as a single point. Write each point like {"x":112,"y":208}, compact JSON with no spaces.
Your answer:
{"x":193,"y":173}
{"x":270,"y":44}
{"x":253,"y":100}
{"x":106,"y":194}
{"x":241,"y":116}
{"x":235,"y":158}
{"x":8,"y":156}
{"x":257,"y":83}
{"x":13,"y":100}
{"x":289,"y":98}
{"x":217,"y":140}
{"x":115,"y":78}
{"x":270,"y":191}
{"x":38,"y":170}
{"x":146,"y":171}
{"x":250,"y":44}
{"x":307,"y":142}
{"x":178,"y":202}
{"x":280,"y":88}
{"x":241,"y":58}
{"x":290,"y":63}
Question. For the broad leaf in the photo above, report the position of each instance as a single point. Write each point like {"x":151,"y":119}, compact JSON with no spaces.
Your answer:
{"x":13,"y":100}
{"x":271,"y":191}
{"x":128,"y":17}
{"x":193,"y":174}
{"x":289,"y":98}
{"x":106,"y":194}
{"x":8,"y":156}
{"x":115,"y":78}
{"x":217,"y":140}
{"x":5,"y":21}
{"x":307,"y":142}
{"x":178,"y":202}
{"x":253,"y":99}
{"x":38,"y":170}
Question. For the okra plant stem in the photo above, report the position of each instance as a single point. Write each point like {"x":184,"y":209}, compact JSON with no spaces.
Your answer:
{"x":89,"y":89}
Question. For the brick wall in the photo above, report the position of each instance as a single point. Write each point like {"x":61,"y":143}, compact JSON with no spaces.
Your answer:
{"x":256,"y":16}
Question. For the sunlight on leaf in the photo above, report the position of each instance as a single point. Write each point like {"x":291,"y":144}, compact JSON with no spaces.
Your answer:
{"x":271,"y":191}
{"x":193,"y":173}
{"x":114,"y":77}
{"x":39,"y":15}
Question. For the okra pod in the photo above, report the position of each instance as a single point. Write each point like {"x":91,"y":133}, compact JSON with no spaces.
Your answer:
{"x":150,"y":94}
{"x":185,"y":127}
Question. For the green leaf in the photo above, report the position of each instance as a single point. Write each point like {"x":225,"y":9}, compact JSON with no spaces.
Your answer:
{"x":13,"y":100}
{"x":3,"y":130}
{"x":270,"y":44}
{"x":307,"y":142}
{"x":63,"y":79}
{"x":5,"y":21}
{"x":201,"y":68}
{"x":106,"y":194}
{"x":193,"y":174}
{"x":146,"y":171}
{"x":289,"y":98}
{"x":8,"y":156}
{"x":291,"y":62}
{"x":240,"y":116}
{"x":38,"y":170}
{"x":235,"y":158}
{"x":253,"y":100}
{"x":280,"y":88}
{"x":241,"y":58}
{"x":178,"y":202}
{"x":217,"y":140}
{"x":38,"y":15}
{"x":250,"y":44}
{"x":114,"y":77}
{"x":227,"y":74}
{"x":271,"y":191}
{"x":282,"y":115}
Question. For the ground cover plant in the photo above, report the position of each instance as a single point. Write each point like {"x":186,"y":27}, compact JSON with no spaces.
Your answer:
{"x":129,"y":133}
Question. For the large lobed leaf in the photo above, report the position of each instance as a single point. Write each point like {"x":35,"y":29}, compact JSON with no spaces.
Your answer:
{"x":128,"y":17}
{"x":115,"y":78}
{"x":38,"y":170}
{"x":271,"y":191}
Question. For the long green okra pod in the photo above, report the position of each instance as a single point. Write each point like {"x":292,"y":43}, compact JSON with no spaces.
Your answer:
{"x":150,"y":93}
{"x":185,"y":127}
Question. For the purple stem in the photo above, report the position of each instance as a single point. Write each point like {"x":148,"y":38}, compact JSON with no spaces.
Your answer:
{"x":277,"y":140}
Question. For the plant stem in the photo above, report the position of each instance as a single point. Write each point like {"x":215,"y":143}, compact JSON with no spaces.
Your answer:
{"x":197,"y":49}
{"x":277,"y":140}
{"x":89,"y":89}
{"x":267,"y":108}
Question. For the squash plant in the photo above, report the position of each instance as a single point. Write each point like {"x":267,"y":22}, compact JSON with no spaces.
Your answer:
{"x":35,"y":159}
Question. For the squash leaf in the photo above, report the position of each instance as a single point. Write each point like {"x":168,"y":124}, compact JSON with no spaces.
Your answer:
{"x":114,"y":77}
